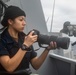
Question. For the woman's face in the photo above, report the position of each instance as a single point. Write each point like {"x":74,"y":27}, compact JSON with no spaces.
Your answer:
{"x":18,"y":23}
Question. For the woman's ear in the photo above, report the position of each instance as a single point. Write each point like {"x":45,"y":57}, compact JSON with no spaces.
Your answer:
{"x":10,"y":21}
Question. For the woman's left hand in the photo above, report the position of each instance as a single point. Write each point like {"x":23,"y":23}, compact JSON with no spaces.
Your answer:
{"x":52,"y":45}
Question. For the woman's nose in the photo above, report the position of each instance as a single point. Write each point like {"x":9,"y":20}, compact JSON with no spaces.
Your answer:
{"x":24,"y":22}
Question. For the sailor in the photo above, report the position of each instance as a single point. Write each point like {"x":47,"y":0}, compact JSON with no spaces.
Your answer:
{"x":16,"y":50}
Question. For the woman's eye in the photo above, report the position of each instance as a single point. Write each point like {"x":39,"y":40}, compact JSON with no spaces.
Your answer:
{"x":21,"y":19}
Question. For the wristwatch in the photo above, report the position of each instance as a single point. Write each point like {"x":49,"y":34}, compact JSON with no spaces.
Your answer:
{"x":24,"y":47}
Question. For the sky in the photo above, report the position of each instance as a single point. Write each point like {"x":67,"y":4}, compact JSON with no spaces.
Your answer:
{"x":65,"y":10}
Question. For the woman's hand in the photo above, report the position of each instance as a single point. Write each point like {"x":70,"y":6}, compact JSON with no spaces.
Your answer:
{"x":51,"y":46}
{"x":30,"y":39}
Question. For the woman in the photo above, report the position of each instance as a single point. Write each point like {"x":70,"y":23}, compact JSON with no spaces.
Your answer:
{"x":16,"y":50}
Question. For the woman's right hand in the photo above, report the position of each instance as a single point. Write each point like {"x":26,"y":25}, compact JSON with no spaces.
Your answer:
{"x":30,"y":39}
